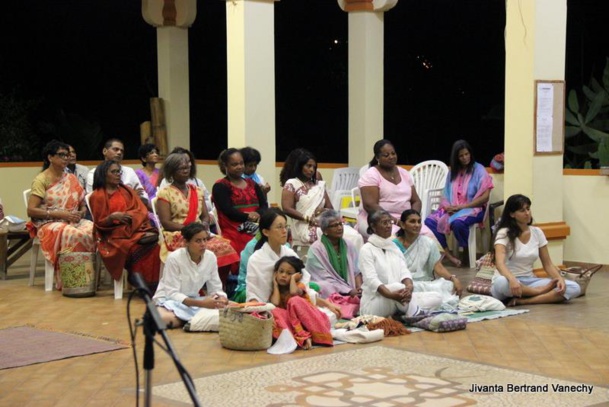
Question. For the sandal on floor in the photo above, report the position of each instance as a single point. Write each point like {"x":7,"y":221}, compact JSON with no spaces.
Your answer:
{"x":512,"y":302}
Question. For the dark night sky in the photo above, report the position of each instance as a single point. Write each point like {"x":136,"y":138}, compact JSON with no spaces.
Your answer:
{"x":96,"y":60}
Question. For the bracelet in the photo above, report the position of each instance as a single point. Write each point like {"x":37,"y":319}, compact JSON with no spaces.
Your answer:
{"x":452,"y":277}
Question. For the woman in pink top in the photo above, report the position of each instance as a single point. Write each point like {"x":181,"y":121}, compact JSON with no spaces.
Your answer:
{"x":386,"y":186}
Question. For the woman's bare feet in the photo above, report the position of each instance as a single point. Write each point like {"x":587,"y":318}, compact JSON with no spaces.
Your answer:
{"x":307,"y":344}
{"x":548,"y":287}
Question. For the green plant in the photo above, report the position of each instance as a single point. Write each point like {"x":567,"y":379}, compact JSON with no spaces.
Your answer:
{"x":587,"y":128}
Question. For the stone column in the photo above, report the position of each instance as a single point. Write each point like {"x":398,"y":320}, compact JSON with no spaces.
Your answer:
{"x":366,"y":47}
{"x":172,"y":19}
{"x":535,"y":43}
{"x":250,"y":36}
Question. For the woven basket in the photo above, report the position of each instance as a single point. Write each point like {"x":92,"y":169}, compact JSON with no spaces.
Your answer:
{"x":239,"y":330}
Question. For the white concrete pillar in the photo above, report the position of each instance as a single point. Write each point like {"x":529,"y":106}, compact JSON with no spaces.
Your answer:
{"x":172,"y":19}
{"x":250,"y":36}
{"x":535,"y":43}
{"x":366,"y":50}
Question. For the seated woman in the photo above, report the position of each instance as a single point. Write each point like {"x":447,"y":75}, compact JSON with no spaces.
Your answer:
{"x":182,"y":203}
{"x":304,"y":198}
{"x":127,"y":240}
{"x":187,"y":270}
{"x":332,"y":260}
{"x":239,"y":201}
{"x":294,"y":310}
{"x":518,"y":245}
{"x":148,"y":174}
{"x":466,"y":193}
{"x":423,"y":259}
{"x":57,"y":207}
{"x":269,"y":249}
{"x":386,"y":186}
{"x":388,"y":287}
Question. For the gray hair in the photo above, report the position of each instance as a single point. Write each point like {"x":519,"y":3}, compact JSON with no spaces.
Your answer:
{"x":374,"y":217}
{"x":171,"y":165}
{"x":326,"y":218}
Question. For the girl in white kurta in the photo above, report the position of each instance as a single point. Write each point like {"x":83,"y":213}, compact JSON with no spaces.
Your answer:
{"x":269,"y":249}
{"x":517,"y":246}
{"x":186,"y":271}
{"x":388,"y":286}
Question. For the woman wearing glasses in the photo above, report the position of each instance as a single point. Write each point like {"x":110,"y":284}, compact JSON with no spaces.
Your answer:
{"x":127,"y":240}
{"x":332,"y":262}
{"x":269,"y":249}
{"x":182,"y":203}
{"x":57,"y":207}
{"x":388,"y":287}
{"x":386,"y":186}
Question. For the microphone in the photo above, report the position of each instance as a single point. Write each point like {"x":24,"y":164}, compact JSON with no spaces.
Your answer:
{"x":137,"y":281}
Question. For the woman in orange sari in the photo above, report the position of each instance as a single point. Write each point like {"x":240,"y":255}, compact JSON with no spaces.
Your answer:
{"x":57,"y":208}
{"x":182,"y":203}
{"x":127,"y":240}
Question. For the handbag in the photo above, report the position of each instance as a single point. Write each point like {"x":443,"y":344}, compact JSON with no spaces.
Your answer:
{"x":580,"y":275}
{"x":240,"y":330}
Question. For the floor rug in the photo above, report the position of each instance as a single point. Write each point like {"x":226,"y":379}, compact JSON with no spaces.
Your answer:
{"x":25,"y":345}
{"x":384,"y":377}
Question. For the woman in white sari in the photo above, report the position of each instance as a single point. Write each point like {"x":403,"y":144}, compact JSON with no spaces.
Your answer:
{"x":388,"y":287}
{"x":423,"y":259}
{"x":304,"y":198}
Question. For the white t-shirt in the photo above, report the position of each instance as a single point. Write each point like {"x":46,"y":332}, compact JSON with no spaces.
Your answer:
{"x":520,"y":260}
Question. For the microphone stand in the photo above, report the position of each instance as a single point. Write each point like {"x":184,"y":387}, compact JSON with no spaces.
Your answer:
{"x":153,"y":323}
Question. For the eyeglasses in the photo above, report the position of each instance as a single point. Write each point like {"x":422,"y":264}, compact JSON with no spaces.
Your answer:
{"x":386,"y":222}
{"x":152,"y":152}
{"x":62,"y":155}
{"x":116,"y":172}
{"x":335,"y":224}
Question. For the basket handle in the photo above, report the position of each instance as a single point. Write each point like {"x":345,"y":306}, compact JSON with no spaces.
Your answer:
{"x":591,"y":270}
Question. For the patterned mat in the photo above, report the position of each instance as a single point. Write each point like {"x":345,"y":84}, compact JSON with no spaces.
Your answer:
{"x":384,"y":377}
{"x":25,"y":345}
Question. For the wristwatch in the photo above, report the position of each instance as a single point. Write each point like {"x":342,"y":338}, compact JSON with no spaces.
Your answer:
{"x":452,"y":277}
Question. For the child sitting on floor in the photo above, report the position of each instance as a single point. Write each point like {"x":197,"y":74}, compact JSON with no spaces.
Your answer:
{"x":294,"y":310}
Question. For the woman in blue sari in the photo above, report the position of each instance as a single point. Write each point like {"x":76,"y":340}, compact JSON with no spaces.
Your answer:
{"x":466,"y":193}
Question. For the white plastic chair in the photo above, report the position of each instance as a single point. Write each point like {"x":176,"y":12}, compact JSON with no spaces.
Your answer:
{"x":428,"y":175}
{"x":431,"y":203}
{"x":120,"y":284}
{"x":343,"y":179}
{"x":49,"y":269}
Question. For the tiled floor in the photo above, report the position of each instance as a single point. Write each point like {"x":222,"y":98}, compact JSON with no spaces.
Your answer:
{"x":569,"y":341}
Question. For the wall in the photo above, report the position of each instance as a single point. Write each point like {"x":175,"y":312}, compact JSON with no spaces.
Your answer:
{"x":585,"y":199}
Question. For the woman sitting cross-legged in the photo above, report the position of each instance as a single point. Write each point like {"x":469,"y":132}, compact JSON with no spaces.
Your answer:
{"x":518,"y":245}
{"x":388,"y":286}
{"x":187,"y":270}
{"x":332,"y":262}
{"x":423,"y":259}
{"x":126,"y":237}
{"x":294,"y":310}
